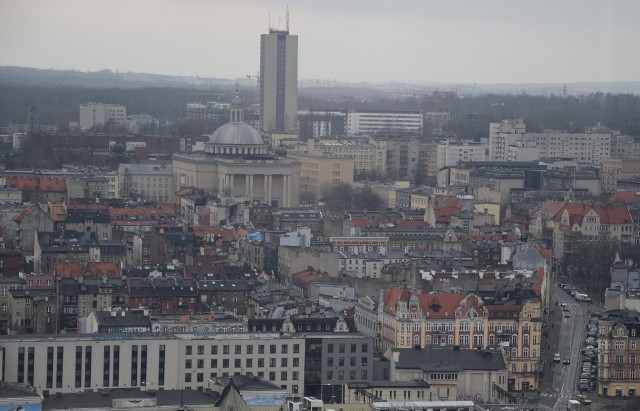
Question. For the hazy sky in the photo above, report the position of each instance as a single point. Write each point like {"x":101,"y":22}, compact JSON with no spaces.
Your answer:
{"x":483,"y":41}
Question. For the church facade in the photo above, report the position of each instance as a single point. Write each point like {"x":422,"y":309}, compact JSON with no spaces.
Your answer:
{"x":237,"y":164}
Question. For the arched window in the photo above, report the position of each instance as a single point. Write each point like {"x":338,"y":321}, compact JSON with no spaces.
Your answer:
{"x":478,"y":326}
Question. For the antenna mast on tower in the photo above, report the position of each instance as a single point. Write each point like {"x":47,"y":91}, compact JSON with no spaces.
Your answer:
{"x":287,"y":18}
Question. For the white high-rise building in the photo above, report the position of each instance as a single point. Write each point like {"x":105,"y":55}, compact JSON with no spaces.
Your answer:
{"x":502,"y":135}
{"x":278,"y":81}
{"x":450,"y":152}
{"x":98,"y":114}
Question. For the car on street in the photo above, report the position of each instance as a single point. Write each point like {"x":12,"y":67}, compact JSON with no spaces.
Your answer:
{"x":563,"y":304}
{"x":583,"y":399}
{"x":556,"y":357}
{"x":566,"y":361}
{"x":567,"y":315}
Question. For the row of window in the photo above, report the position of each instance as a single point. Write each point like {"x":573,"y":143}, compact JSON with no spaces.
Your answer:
{"x":340,"y":374}
{"x":237,"y":363}
{"x":353,"y":348}
{"x":341,"y":361}
{"x":237,"y":349}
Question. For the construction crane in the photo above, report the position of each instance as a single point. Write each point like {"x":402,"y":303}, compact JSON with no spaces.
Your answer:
{"x":257,"y":78}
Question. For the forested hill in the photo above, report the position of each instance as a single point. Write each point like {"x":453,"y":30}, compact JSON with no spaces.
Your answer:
{"x":58,"y":102}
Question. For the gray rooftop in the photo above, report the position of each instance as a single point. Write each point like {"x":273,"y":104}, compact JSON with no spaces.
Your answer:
{"x":441,"y":358}
{"x":104,"y":399}
{"x":117,"y":319}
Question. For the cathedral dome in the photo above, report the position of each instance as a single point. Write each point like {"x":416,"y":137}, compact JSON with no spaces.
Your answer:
{"x":232,"y":134}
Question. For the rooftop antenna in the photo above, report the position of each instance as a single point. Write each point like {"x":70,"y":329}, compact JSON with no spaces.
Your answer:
{"x":269,"y":20}
{"x":287,"y":19}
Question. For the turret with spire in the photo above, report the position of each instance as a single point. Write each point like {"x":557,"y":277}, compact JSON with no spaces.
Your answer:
{"x":236,"y":108}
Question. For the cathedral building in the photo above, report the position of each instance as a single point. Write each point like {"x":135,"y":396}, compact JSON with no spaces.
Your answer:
{"x":237,"y":164}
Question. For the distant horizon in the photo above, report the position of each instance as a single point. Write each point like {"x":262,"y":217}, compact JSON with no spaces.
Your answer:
{"x":359,"y":41}
{"x":378,"y":82}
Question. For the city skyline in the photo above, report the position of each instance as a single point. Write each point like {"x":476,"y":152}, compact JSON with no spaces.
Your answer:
{"x":485,"y":42}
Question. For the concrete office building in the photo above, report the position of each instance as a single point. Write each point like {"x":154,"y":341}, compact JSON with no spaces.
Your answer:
{"x":278,"y":81}
{"x":98,"y":114}
{"x":93,"y":362}
{"x":502,"y":135}
{"x":450,"y":152}
{"x":68,"y":364}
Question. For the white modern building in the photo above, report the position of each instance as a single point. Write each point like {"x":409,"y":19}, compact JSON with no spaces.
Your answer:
{"x":371,"y":121}
{"x":502,"y":135}
{"x":77,"y":363}
{"x":450,"y":152}
{"x":98,"y":114}
{"x":586,"y":148}
{"x":278,"y":81}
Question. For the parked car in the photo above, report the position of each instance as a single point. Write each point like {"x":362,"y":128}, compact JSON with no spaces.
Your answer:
{"x":556,"y":357}
{"x":566,"y":361}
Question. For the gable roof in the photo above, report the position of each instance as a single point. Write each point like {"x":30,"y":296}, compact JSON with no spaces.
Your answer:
{"x":624,"y":197}
{"x":443,"y":208}
{"x":546,"y":210}
{"x":23,"y":213}
{"x":439,"y":305}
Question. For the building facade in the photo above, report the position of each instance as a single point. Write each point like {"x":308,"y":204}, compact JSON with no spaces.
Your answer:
{"x":237,"y":164}
{"x":278,"y":81}
{"x":372,"y":121}
{"x":98,"y":114}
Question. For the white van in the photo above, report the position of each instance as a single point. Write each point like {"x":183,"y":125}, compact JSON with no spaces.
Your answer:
{"x":556,"y":357}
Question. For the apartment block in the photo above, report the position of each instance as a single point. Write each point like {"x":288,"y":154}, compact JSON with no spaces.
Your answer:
{"x":372,"y":121}
{"x":98,"y":114}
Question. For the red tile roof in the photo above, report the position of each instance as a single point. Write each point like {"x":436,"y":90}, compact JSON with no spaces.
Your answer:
{"x":111,"y":270}
{"x":613,"y":214}
{"x":576,"y":213}
{"x":363,"y":223}
{"x":445,"y":304}
{"x":56,"y":185}
{"x":141,"y":212}
{"x":537,"y":286}
{"x":625,"y":197}
{"x":391,"y":297}
{"x":443,"y":210}
{"x":23,"y":213}
{"x":547,"y":209}
{"x":185,"y":191}
{"x":309,"y":275}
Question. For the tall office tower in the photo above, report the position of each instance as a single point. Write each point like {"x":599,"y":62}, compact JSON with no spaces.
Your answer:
{"x":278,"y":81}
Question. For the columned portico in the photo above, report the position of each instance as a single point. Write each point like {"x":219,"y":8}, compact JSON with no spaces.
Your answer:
{"x":237,"y":164}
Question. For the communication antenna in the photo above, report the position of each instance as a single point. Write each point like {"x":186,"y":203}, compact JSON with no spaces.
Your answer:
{"x":287,"y":18}
{"x":269,"y":20}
